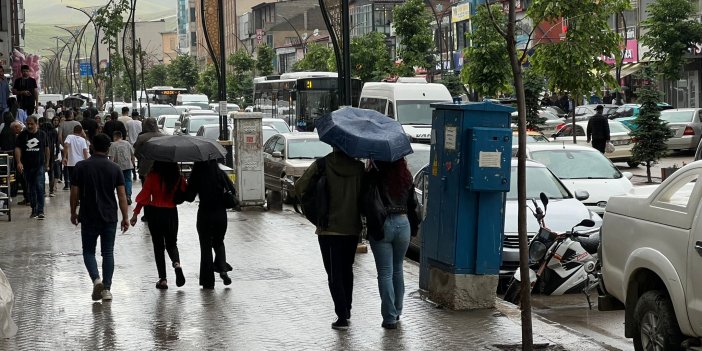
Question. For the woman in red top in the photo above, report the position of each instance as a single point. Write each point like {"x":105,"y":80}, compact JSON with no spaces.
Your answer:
{"x":157,"y":198}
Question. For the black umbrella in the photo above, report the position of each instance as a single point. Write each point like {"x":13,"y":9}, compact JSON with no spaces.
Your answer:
{"x":182,"y":148}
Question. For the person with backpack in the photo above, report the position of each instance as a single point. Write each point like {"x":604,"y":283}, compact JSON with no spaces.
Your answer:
{"x":334,"y":184}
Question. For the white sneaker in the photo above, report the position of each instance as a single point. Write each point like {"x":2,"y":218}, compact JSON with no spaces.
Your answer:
{"x":106,"y":295}
{"x":98,"y":288}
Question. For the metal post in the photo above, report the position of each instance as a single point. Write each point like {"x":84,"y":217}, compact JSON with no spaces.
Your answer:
{"x":223,"y":125}
{"x":346,"y":29}
{"x":134,"y":82}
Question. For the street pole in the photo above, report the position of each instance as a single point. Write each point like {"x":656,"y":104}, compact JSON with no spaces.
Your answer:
{"x":134,"y":84}
{"x":223,"y":125}
{"x":345,"y":25}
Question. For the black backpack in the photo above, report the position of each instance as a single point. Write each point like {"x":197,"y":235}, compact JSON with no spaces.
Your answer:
{"x":315,"y":201}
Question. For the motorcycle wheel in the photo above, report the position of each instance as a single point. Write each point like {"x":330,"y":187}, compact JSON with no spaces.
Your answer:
{"x":513,"y":293}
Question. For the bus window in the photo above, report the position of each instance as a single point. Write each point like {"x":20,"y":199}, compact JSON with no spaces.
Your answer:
{"x":391,"y":110}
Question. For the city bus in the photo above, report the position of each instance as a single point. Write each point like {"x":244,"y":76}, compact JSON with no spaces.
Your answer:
{"x":300,"y":97}
{"x":163,"y":95}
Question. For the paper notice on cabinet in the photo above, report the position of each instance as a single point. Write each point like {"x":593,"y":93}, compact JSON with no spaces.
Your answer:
{"x":490,"y":159}
{"x":450,"y":138}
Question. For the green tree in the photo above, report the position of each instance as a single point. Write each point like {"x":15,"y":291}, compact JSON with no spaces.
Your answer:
{"x":574,"y":64}
{"x":486,"y":67}
{"x":111,"y":22}
{"x":155,"y":75}
{"x":671,"y":31}
{"x":533,"y":87}
{"x":264,"y":60}
{"x":651,"y":131}
{"x":208,"y":83}
{"x":182,"y":72}
{"x":412,"y":23}
{"x":453,"y":84}
{"x":240,"y":81}
{"x":317,"y":58}
{"x":370,"y":57}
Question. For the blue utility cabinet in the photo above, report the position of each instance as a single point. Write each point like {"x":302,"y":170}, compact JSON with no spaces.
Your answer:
{"x":469,"y":174}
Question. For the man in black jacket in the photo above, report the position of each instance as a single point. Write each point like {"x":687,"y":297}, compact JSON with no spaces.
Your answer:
{"x":598,"y":130}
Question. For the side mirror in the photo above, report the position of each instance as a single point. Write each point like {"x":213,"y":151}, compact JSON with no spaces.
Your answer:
{"x":544,"y":200}
{"x":628,"y":175}
{"x":277,"y":154}
{"x":582,"y":195}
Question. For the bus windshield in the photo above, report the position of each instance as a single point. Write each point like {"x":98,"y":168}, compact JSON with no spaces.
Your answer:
{"x":164,"y":95}
{"x":414,"y":111}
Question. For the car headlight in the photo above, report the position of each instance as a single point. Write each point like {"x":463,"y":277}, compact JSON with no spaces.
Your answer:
{"x":602,"y":204}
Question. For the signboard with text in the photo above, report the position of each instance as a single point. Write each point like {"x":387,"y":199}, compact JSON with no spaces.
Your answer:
{"x":630,"y":53}
{"x":460,"y":12}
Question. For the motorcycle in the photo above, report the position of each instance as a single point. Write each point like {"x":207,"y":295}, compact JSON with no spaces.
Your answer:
{"x":559,"y":262}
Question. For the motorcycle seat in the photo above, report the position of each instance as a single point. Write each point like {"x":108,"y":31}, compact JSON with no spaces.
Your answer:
{"x":590,"y":243}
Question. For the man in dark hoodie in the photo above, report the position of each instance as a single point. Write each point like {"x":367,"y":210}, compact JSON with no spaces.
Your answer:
{"x":149,"y":129}
{"x":338,"y":240}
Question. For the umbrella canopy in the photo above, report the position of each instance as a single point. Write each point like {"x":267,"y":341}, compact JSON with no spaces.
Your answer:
{"x":182,"y":148}
{"x":364,"y":133}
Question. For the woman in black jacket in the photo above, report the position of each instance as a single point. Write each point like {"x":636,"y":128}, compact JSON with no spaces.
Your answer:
{"x":390,"y":243}
{"x":210,"y":183}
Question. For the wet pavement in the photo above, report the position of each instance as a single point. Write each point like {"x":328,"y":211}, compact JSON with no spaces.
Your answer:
{"x":278,"y":300}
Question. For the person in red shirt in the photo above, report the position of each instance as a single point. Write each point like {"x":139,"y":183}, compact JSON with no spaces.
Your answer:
{"x":157,"y":198}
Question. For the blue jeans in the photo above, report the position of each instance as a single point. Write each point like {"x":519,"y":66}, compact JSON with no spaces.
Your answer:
{"x":89,"y":234}
{"x":127,"y":173}
{"x":35,"y":188}
{"x":389,"y":255}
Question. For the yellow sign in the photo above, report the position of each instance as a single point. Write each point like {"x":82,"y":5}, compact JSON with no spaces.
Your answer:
{"x":460,"y":12}
{"x":308,"y":84}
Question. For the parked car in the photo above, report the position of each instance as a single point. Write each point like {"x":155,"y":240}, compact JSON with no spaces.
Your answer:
{"x":583,"y":168}
{"x":651,"y":251}
{"x":211,"y":131}
{"x":287,"y":155}
{"x":584,"y":112}
{"x":419,"y":158}
{"x":166,"y":123}
{"x":564,"y":209}
{"x":555,"y":110}
{"x":532,"y":137}
{"x":619,"y":135}
{"x":628,"y":113}
{"x":268,"y":132}
{"x":230,"y":107}
{"x":154,"y":110}
{"x":200,"y":112}
{"x":686,"y":124}
{"x":191,"y":124}
{"x":186,"y":108}
{"x":278,"y":124}
{"x":549,"y":126}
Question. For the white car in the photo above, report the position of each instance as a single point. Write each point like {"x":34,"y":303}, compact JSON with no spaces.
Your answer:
{"x":277,"y":123}
{"x":651,"y":253}
{"x":166,"y":123}
{"x":619,"y":135}
{"x":582,"y":168}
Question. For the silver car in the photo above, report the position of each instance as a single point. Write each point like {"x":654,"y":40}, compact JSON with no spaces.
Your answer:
{"x":286,"y":156}
{"x":564,"y":209}
{"x":687,"y":126}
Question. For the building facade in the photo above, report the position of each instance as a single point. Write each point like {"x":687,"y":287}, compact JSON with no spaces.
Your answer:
{"x":169,"y":43}
{"x":183,"y":21}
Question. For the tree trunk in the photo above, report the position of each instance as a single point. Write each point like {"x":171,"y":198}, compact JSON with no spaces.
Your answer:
{"x":575,"y":136}
{"x":648,"y":172}
{"x":527,"y":336}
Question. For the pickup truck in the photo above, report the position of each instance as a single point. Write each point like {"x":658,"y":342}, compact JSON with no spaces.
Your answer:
{"x":651,"y":256}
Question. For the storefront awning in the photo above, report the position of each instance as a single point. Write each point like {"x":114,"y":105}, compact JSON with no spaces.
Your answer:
{"x":627,"y":69}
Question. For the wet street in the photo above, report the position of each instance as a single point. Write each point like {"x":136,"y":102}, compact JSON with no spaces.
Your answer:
{"x":278,"y":299}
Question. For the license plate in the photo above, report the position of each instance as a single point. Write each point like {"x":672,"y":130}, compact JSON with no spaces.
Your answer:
{"x":620,"y":142}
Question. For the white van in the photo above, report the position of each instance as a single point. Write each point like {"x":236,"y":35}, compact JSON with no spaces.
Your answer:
{"x":407,"y":101}
{"x":193,"y":99}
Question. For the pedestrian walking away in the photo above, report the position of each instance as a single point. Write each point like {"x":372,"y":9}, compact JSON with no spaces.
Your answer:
{"x":339,"y":238}
{"x":75,"y":149}
{"x":32,"y":153}
{"x":125,"y":118}
{"x":133,"y":128}
{"x":598,"y":130}
{"x":122,"y":153}
{"x":65,"y":129}
{"x":94,"y":184}
{"x":53,"y":144}
{"x":157,"y":197}
{"x":390,"y":242}
{"x":25,"y":88}
{"x":209,"y":183}
{"x":114,"y":125}
{"x":150,"y":130}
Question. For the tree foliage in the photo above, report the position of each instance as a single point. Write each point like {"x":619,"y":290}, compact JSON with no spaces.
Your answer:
{"x":370,"y":57}
{"x":671,"y":32}
{"x":156,"y":75}
{"x":651,"y":132}
{"x":208,"y":83}
{"x":241,"y":61}
{"x":182,"y":72}
{"x":240,"y":81}
{"x":534,"y":84}
{"x":453,"y":83}
{"x":574,"y":64}
{"x":318,"y":58}
{"x":412,"y":23}
{"x":264,"y":60}
{"x":486,"y":67}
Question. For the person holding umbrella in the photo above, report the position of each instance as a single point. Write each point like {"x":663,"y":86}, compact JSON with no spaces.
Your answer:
{"x":210,"y":183}
{"x":157,"y":196}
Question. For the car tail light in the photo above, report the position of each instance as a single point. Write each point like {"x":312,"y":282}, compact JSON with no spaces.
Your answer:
{"x":558,"y":127}
{"x":689,"y":131}
{"x":634,"y":140}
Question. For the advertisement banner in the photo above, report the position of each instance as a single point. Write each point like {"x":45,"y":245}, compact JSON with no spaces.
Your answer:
{"x":460,"y":12}
{"x":630,"y":53}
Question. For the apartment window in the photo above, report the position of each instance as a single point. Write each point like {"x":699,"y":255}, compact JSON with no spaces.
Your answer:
{"x":192,"y":14}
{"x":382,"y":17}
{"x":193,"y":39}
{"x":361,"y":20}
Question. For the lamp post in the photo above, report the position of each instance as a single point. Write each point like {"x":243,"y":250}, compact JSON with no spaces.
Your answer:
{"x":76,"y":34}
{"x":66,"y":41}
{"x":91,"y":11}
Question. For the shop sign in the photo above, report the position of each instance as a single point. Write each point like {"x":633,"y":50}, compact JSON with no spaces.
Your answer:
{"x":460,"y":12}
{"x":630,"y":53}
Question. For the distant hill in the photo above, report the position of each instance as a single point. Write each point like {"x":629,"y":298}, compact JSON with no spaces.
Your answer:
{"x":43,"y":15}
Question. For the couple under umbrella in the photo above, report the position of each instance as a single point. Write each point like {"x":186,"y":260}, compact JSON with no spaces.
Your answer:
{"x":165,"y":188}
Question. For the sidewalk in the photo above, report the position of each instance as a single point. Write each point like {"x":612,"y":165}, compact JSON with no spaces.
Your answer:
{"x":278,"y":300}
